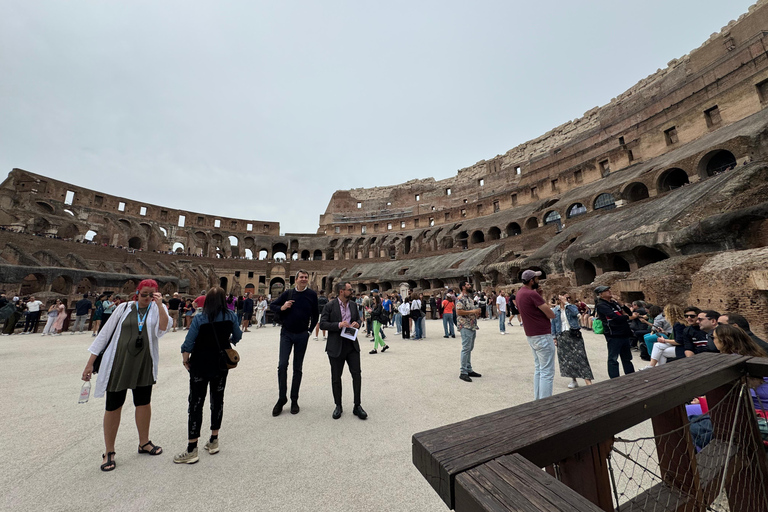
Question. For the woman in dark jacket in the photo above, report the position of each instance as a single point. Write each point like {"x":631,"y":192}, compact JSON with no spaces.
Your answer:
{"x":203,"y":356}
{"x":670,"y":345}
{"x":377,"y":317}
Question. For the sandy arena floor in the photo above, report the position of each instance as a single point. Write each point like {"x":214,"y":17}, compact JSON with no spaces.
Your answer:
{"x":53,"y":446}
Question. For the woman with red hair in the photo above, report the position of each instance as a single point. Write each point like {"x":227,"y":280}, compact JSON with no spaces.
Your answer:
{"x":129,"y":342}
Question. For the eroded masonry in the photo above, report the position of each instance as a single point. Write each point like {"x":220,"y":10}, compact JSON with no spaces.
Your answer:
{"x":662,"y":193}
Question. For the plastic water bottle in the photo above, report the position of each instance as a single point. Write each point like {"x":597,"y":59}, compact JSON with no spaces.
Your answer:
{"x":85,"y":392}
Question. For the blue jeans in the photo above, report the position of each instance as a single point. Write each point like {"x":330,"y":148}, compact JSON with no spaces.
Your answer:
{"x":423,"y":327}
{"x":398,"y":322}
{"x":448,"y":320}
{"x":416,"y":329}
{"x":288,"y":341}
{"x":619,"y":347}
{"x":502,"y":327}
{"x":467,"y":344}
{"x":543,"y":348}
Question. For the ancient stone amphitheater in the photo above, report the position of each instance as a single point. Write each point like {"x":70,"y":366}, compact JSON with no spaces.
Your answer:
{"x":662,"y":193}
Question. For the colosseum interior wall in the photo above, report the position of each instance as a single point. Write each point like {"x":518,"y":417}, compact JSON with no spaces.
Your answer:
{"x":660,"y":193}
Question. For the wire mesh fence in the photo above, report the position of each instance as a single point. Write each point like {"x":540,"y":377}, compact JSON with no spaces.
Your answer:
{"x":717,"y":462}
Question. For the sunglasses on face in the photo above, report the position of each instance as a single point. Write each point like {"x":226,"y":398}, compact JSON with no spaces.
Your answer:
{"x":690,"y":316}
{"x":145,"y":295}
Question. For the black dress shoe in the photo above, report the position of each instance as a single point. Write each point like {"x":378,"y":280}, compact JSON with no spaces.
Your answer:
{"x":465,"y":377}
{"x":373,"y":351}
{"x":278,"y":408}
{"x":385,"y":348}
{"x":474,"y":374}
{"x":359,"y":412}
{"x":295,"y":407}
{"x":337,"y":412}
{"x":446,"y":336}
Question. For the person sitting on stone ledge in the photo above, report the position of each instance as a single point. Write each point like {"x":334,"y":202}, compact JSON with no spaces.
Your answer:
{"x":739,"y":321}
{"x":707,"y":321}
{"x":669,"y":346}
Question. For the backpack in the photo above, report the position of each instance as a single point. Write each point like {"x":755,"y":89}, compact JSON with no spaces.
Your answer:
{"x":597,"y":326}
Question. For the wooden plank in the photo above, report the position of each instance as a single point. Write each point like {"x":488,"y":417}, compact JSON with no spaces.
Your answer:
{"x":587,"y":473}
{"x":757,"y":367}
{"x":549,"y":430}
{"x":513,"y":483}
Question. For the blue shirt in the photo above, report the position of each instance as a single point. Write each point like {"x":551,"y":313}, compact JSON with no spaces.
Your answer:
{"x":387,"y":304}
{"x":198,"y":320}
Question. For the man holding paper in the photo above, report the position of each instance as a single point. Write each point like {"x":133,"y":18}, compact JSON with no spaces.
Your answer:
{"x":342,"y":320}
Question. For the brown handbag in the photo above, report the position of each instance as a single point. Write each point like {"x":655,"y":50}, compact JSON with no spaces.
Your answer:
{"x":231,"y":357}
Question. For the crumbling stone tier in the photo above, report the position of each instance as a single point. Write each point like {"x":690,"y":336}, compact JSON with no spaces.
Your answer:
{"x":662,"y":194}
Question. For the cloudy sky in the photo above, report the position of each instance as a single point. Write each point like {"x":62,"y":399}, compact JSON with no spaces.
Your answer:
{"x":261,"y":110}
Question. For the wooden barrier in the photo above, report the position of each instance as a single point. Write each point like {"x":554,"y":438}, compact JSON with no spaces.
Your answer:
{"x":575,"y":430}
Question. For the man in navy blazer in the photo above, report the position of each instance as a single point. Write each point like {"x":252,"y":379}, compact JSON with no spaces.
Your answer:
{"x":338,"y":315}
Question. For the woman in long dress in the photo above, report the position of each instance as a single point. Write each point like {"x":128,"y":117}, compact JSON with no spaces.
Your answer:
{"x":129,"y":343}
{"x":571,"y":353}
{"x":61,"y":310}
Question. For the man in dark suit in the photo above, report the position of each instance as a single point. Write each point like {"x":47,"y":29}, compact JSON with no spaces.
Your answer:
{"x":339,"y":315}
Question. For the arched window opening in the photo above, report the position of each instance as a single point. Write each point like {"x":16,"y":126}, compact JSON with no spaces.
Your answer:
{"x":575,"y":210}
{"x":647,"y":255}
{"x":304,"y":255}
{"x":672,"y":179}
{"x":263,"y":254}
{"x":532,"y":223}
{"x":585,"y":272}
{"x":90,"y":234}
{"x":248,"y":254}
{"x":716,"y":162}
{"x":178,"y":248}
{"x":134,"y":243}
{"x":494,"y":233}
{"x":279,"y":256}
{"x":605,"y":201}
{"x":553,"y":217}
{"x":478,"y":237}
{"x":513,"y":229}
{"x":636,"y":192}
{"x":233,"y":241}
{"x":317,"y":255}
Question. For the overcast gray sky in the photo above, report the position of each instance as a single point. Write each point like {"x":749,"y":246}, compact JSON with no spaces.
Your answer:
{"x":261,"y":110}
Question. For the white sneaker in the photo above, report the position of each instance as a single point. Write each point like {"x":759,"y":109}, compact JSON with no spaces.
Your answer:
{"x":315,"y":338}
{"x":646,"y":368}
{"x":573,"y":384}
{"x":72,"y":333}
{"x":502,"y":333}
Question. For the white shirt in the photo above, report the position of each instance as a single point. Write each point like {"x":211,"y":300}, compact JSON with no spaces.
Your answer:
{"x":405,"y":309}
{"x":33,"y":307}
{"x":501,"y":303}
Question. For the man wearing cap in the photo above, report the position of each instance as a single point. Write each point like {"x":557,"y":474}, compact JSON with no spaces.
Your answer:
{"x":537,"y":316}
{"x":617,"y":332}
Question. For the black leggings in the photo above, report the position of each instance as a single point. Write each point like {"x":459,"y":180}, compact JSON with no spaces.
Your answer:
{"x":198,"y":388}
{"x":141,"y":396}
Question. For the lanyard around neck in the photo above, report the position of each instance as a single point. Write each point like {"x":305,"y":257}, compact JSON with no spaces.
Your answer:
{"x":140,"y":318}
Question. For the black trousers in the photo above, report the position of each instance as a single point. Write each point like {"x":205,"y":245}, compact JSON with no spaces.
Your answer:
{"x":198,"y":388}
{"x":30,"y":324}
{"x":405,"y":328}
{"x":619,"y":347}
{"x":298,"y":343}
{"x":352,"y":357}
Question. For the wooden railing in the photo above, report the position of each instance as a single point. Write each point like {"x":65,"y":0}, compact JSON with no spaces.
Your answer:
{"x":494,"y":461}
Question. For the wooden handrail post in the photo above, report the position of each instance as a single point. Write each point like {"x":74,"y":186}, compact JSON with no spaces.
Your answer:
{"x":586,"y":472}
{"x":676,"y":451}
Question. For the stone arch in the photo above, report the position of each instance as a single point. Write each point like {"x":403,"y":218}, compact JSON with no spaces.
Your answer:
{"x":86,"y":285}
{"x":41,"y":226}
{"x":585,"y":272}
{"x":462,"y":239}
{"x":32,"y":283}
{"x":248,"y":254}
{"x":646,"y":255}
{"x":224,"y":283}
{"x":407,"y":244}
{"x":68,"y":231}
{"x":604,"y":201}
{"x":575,"y":210}
{"x":553,"y":217}
{"x":90,"y":235}
{"x":478,"y":237}
{"x":329,"y":254}
{"x":317,"y":255}
{"x":616,"y":263}
{"x":263,"y":253}
{"x":671,"y":179}
{"x":513,"y":229}
{"x":295,"y":256}
{"x":635,"y":191}
{"x":715,"y":162}
{"x":45,"y":207}
{"x":424,"y":284}
{"x":276,"y":286}
{"x":532,"y":223}
{"x":305,"y":255}
{"x":178,"y":248}
{"x":494,"y":233}
{"x":279,"y":247}
{"x":134,"y":243}
{"x":446,"y":242}
{"x":125,"y":224}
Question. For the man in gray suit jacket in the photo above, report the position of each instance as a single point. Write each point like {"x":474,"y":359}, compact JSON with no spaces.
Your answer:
{"x":340,"y":315}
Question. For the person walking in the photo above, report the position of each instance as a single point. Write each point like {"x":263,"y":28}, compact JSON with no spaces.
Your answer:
{"x":377,"y":316}
{"x":202,"y":354}
{"x":98,"y":315}
{"x":467,"y":323}
{"x":130,"y":349}
{"x":501,"y":307}
{"x":571,"y":353}
{"x":616,"y":330}
{"x":448,"y":308}
{"x":339,"y":317}
{"x":247,"y":312}
{"x":536,"y":316}
{"x":297,"y":309}
{"x":173,"y":309}
{"x":82,"y":308}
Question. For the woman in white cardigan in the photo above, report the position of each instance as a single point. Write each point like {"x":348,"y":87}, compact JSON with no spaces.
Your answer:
{"x":129,"y":340}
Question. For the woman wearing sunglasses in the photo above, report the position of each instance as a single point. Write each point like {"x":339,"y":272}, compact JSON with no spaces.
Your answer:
{"x":129,"y":340}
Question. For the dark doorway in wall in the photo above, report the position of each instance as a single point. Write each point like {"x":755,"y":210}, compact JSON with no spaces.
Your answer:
{"x":494,"y":233}
{"x":636,"y":192}
{"x":532,"y":223}
{"x":223,"y":282}
{"x":647,"y":255}
{"x":619,"y":264}
{"x":717,"y":162}
{"x":632,"y":296}
{"x":672,"y":179}
{"x":407,"y":244}
{"x":317,"y":255}
{"x":478,"y":237}
{"x":134,"y":243}
{"x":513,"y":229}
{"x":585,"y":272}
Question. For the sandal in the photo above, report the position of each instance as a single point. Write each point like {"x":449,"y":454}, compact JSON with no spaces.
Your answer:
{"x":155,"y":450}
{"x":110,"y":464}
